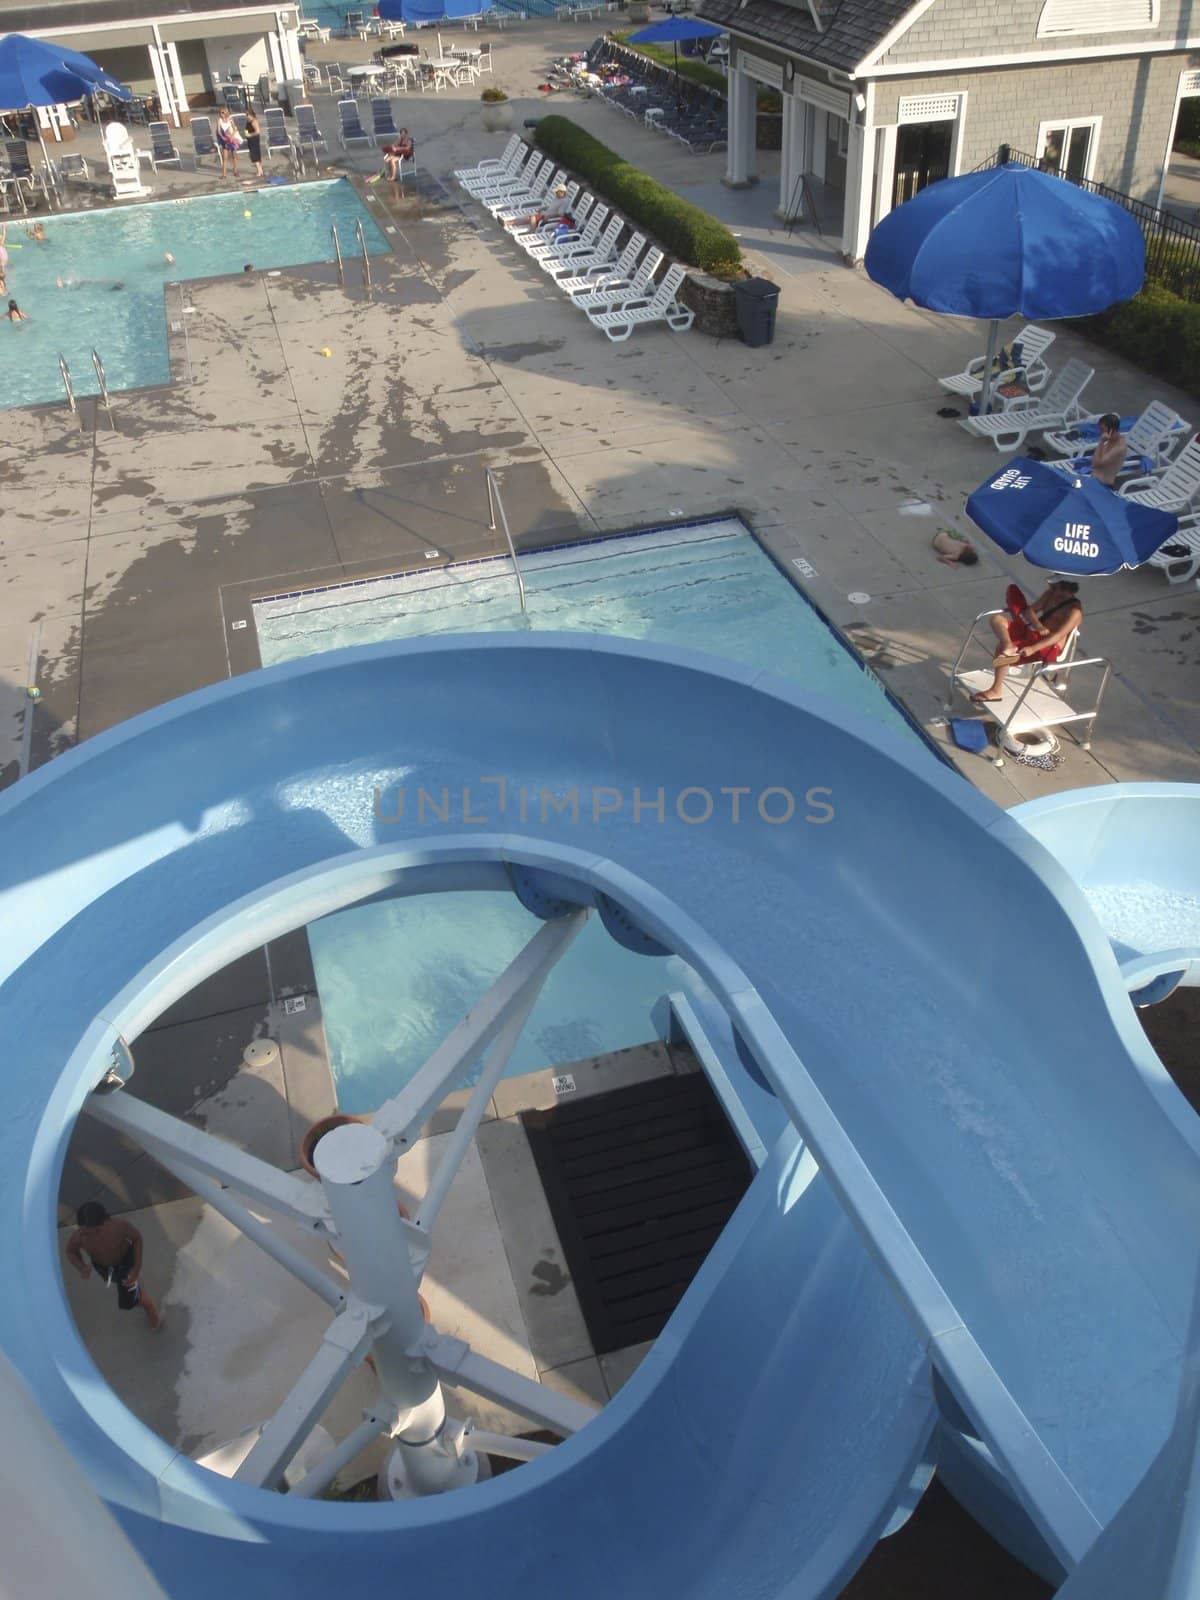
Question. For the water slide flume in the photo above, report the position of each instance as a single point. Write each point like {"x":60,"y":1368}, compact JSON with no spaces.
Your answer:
{"x":1006,"y":1180}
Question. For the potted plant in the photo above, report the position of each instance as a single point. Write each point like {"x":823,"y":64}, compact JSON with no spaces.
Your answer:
{"x":495,"y":111}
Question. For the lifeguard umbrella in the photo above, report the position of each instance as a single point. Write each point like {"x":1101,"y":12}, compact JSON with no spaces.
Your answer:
{"x":1009,"y":240}
{"x":36,"y":72}
{"x":1066,"y":523}
{"x":670,"y":31}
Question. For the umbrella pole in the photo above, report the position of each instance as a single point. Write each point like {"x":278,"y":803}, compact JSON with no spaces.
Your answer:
{"x":37,"y":122}
{"x":985,"y":393}
{"x":678,"y":85}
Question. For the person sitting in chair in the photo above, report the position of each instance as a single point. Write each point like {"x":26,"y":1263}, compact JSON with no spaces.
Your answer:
{"x":1108,"y":458}
{"x":554,"y":210}
{"x":394,"y":156}
{"x":1032,"y":632}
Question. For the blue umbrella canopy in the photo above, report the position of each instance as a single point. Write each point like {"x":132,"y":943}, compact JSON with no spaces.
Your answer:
{"x":1065,"y":523}
{"x":34,"y":72}
{"x":672,"y":30}
{"x":1011,"y":240}
{"x":1008,"y":241}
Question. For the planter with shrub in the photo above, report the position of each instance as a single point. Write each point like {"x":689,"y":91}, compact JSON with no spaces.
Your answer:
{"x":495,"y":111}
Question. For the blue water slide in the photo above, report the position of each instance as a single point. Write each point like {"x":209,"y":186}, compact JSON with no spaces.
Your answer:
{"x":1006,"y":1186}
{"x":1134,"y":850}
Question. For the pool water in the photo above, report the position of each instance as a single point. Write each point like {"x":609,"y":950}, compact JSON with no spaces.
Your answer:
{"x":395,"y":977}
{"x":209,"y":236}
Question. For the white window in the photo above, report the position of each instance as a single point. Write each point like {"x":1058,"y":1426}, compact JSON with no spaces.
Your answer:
{"x":1069,"y":148}
{"x":1095,"y":16}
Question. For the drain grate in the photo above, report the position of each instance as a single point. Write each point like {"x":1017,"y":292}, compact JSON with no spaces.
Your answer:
{"x":640,"y":1181}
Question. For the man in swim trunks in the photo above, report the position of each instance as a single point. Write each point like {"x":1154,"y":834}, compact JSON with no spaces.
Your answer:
{"x":1035,"y":633}
{"x":112,"y":1248}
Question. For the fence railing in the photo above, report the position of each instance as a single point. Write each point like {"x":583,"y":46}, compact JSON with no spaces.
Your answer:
{"x":1172,"y":245}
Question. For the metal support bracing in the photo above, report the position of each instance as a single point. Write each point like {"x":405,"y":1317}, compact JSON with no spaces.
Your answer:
{"x":460,"y":1140}
{"x":499,"y":1444}
{"x":326,"y":1470}
{"x":171,"y":1139}
{"x":259,"y":1233}
{"x":459,"y":1366}
{"x":346,"y":1342}
{"x":400,"y":1118}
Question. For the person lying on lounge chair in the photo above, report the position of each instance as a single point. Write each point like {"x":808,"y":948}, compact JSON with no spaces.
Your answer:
{"x":553,"y":211}
{"x":1032,"y":632}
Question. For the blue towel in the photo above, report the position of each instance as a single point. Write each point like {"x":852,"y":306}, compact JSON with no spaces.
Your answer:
{"x":969,"y":733}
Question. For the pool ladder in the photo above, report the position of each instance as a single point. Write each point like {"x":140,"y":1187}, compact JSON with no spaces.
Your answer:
{"x":362,"y":245}
{"x":496,"y":504}
{"x":102,"y":381}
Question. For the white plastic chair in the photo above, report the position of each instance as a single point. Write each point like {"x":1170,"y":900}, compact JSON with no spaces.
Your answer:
{"x":1179,"y":558}
{"x":1173,"y":489}
{"x":1057,"y":406}
{"x":601,"y":268}
{"x":661,"y":306}
{"x":615,"y":294}
{"x":1147,"y":439}
{"x":1032,"y":343}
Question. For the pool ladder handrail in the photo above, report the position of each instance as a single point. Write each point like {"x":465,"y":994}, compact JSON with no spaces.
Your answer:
{"x":495,"y":503}
{"x":362,"y":245}
{"x":65,"y":371}
{"x":98,"y":367}
{"x":337,"y":251}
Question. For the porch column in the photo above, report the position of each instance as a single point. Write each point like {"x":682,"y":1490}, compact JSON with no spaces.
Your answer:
{"x":793,"y":160}
{"x":741,"y":162}
{"x":160,"y":67}
{"x":860,"y":191}
{"x":170,"y":55}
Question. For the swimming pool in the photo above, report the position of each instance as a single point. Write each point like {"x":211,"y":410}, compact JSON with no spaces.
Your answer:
{"x":209,"y":236}
{"x":395,"y":977}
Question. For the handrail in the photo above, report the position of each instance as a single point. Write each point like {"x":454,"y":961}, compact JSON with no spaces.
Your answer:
{"x":98,"y":365}
{"x":494,"y":502}
{"x":362,"y":245}
{"x":65,"y":370}
{"x":337,"y":251}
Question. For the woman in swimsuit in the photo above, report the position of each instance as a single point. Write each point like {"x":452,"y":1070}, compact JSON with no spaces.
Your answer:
{"x":254,"y":142}
{"x":1036,"y":633}
{"x":228,"y":141}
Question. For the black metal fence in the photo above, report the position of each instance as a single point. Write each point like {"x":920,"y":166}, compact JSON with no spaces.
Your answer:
{"x":1172,"y":245}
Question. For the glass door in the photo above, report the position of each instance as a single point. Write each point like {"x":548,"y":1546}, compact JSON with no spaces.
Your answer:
{"x":1067,"y":148}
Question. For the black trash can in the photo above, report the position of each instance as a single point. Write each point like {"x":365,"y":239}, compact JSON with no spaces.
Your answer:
{"x":757,"y":301}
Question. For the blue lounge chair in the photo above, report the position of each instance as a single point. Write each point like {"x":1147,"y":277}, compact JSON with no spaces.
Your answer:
{"x":351,"y":130}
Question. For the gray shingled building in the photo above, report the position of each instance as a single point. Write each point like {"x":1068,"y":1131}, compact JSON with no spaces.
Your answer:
{"x":882,"y":97}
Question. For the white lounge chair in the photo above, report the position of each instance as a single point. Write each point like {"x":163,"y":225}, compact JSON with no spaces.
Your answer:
{"x":614,"y":294}
{"x":1173,"y":489}
{"x":509,"y":158}
{"x":1027,"y":352}
{"x":661,"y":306}
{"x":515,"y":204}
{"x":527,"y":238}
{"x":1054,"y":408}
{"x":599,"y":270}
{"x":524,"y":172}
{"x":1179,"y":558}
{"x":1146,"y":440}
{"x":548,"y":246}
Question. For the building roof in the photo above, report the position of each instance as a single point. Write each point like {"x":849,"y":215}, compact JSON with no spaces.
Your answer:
{"x":20,"y":16}
{"x":851,"y":29}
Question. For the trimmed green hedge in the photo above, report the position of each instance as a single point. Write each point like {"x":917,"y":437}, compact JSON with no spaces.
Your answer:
{"x":680,"y":227}
{"x":1159,"y":332}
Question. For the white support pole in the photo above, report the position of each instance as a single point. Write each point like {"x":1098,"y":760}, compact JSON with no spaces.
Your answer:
{"x":342,"y":1349}
{"x":459,"y":1142}
{"x":858,"y":216}
{"x":258,"y":1232}
{"x":355,"y":1164}
{"x":741,"y":161}
{"x":791,"y":161}
{"x":400,"y":1119}
{"x":327,"y":1469}
{"x":462,"y":1368}
{"x":500,"y":1444}
{"x":173,"y":1139}
{"x":162,"y":75}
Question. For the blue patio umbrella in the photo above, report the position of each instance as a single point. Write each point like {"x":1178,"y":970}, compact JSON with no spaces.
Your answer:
{"x":1065,"y":523}
{"x":37,"y":72}
{"x":1005,"y":241}
{"x":670,"y":31}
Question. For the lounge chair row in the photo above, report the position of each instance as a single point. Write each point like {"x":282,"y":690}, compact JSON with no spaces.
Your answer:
{"x":615,"y":286}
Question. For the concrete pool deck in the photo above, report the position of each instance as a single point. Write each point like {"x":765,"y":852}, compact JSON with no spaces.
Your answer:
{"x":130,"y":553}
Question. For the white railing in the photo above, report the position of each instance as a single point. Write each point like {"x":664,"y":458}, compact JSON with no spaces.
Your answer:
{"x":496,"y":504}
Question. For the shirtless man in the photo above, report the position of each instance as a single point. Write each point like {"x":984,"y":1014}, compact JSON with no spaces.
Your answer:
{"x":1108,"y":458}
{"x":112,"y":1248}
